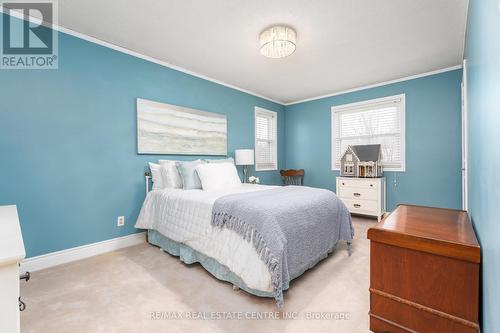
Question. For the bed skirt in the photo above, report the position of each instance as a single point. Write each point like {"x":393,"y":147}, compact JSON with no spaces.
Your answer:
{"x":189,"y":256}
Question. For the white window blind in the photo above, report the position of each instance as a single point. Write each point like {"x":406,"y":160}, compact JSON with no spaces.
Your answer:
{"x":376,"y":121}
{"x":266,"y":145}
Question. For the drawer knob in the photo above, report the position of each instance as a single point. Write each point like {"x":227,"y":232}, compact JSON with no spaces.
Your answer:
{"x":357,"y":205}
{"x":343,"y":183}
{"x":357,"y":194}
{"x":371,"y":185}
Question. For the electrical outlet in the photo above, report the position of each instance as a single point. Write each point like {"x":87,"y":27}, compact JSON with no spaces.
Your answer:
{"x":120,"y":222}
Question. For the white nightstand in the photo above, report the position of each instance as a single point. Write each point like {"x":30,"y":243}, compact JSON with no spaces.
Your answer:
{"x":365,"y":196}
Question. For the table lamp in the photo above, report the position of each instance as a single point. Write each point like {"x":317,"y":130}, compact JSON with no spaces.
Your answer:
{"x":244,"y":157}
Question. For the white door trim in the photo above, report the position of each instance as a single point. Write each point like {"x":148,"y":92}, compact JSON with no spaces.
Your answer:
{"x":465,"y":140}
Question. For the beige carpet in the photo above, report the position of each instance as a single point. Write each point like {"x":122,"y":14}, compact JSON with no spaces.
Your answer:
{"x":121,"y":291}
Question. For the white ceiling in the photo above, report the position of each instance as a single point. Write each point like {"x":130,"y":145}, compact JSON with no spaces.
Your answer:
{"x":341,"y":44}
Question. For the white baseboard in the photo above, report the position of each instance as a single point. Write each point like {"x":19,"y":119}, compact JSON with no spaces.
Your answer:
{"x":80,"y":252}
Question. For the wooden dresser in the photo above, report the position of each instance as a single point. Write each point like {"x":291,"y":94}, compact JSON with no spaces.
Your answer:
{"x":363,"y":195}
{"x":424,"y":272}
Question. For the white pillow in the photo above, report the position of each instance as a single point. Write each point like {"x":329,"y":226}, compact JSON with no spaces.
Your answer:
{"x":216,"y":176}
{"x":170,"y":174}
{"x":156,"y":176}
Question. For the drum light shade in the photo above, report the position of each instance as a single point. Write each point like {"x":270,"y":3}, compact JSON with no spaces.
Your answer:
{"x":278,"y":41}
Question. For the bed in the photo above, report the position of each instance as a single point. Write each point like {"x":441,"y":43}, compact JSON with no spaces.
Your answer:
{"x":183,"y":223}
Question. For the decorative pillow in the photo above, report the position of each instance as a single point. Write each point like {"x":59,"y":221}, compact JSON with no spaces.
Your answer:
{"x":156,"y":176}
{"x":170,"y":175}
{"x":187,"y":170}
{"x":217,"y":176}
{"x":221,"y":160}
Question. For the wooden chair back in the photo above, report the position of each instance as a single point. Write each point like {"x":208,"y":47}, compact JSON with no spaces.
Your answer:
{"x":292,"y":177}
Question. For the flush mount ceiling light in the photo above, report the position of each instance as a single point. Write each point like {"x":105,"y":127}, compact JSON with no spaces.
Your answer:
{"x":278,"y":41}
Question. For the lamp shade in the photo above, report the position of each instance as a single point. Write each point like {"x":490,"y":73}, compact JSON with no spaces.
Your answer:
{"x":244,"y":157}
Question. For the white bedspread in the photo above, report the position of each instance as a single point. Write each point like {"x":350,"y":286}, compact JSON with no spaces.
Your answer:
{"x":184,"y":216}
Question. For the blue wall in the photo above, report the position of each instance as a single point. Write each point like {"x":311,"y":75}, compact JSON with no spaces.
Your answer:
{"x":483,"y":57}
{"x":433,"y":140}
{"x":68,"y":140}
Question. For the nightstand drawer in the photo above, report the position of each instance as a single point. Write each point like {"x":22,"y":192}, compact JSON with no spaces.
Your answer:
{"x":362,"y":195}
{"x":358,"y":193}
{"x":359,"y":183}
{"x":361,"y":206}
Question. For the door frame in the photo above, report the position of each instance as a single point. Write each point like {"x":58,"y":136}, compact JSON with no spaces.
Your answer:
{"x":465,"y":139}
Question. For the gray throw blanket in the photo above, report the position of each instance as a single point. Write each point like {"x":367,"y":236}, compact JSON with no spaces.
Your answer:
{"x":292,"y":227}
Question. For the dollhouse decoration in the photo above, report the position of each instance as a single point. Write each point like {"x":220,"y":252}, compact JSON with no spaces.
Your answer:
{"x":364,"y":161}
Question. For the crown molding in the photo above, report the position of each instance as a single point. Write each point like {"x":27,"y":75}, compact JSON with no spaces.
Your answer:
{"x":122,"y":49}
{"x":406,"y":78}
{"x":207,"y":78}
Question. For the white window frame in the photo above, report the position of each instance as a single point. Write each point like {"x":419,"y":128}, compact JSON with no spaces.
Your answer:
{"x":355,"y":107}
{"x":274,"y":115}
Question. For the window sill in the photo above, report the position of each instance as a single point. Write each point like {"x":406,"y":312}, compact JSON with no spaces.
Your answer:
{"x":266,"y":169}
{"x":385,"y":169}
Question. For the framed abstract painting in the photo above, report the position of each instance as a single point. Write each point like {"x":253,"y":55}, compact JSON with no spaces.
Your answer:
{"x":171,"y":129}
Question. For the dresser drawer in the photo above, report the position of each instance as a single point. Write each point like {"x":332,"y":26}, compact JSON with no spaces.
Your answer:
{"x":389,"y":311}
{"x":361,"y":206}
{"x":362,"y":195}
{"x":424,"y":278}
{"x":357,"y":193}
{"x":359,"y":183}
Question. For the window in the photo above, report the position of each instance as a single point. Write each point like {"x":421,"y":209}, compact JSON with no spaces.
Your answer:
{"x":376,"y":121}
{"x":266,"y":142}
